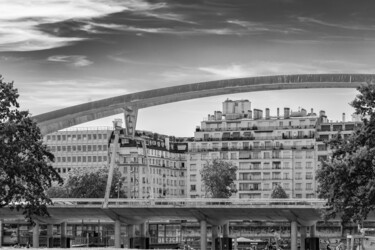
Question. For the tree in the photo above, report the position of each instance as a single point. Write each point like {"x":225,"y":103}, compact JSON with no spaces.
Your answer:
{"x":89,"y":183}
{"x":218,"y":178}
{"x":25,"y":162}
{"x":278,"y":193}
{"x":347,"y":178}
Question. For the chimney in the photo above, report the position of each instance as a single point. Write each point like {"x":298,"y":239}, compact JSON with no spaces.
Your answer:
{"x":286,"y":112}
{"x":278,"y":113}
{"x":267,"y":113}
{"x":250,"y":114}
{"x":343,"y":117}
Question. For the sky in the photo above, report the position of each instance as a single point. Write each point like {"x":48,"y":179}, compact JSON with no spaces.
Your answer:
{"x":61,"y":53}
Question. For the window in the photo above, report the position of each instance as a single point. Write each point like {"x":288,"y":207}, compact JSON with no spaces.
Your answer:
{"x":298,"y":176}
{"x":99,"y":159}
{"x":193,"y":188}
{"x":94,"y":136}
{"x":88,"y":137}
{"x":64,"y":137}
{"x":88,"y":147}
{"x":84,"y":148}
{"x":99,"y":147}
{"x":94,"y":158}
{"x":309,"y":165}
{"x":59,"y":137}
{"x":104,"y":136}
{"x":104,"y":158}
{"x":193,"y":177}
{"x":88,"y":158}
{"x":99,"y":136}
{"x":298,"y":165}
{"x":309,"y":176}
{"x":78,"y":158}
{"x":104,"y":147}
{"x":74,"y":159}
{"x":193,"y":167}
{"x":286,"y":165}
{"x":48,"y":137}
{"x":308,"y":186}
{"x":79,"y":137}
{"x":298,"y":186}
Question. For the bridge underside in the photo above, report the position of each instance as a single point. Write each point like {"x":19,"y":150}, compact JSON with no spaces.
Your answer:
{"x":131,"y":103}
{"x":136,"y":215}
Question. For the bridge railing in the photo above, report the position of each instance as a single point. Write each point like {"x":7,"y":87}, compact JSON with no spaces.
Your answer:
{"x":195,"y":202}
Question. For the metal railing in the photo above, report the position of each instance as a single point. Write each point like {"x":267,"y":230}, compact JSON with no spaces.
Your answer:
{"x":187,"y":202}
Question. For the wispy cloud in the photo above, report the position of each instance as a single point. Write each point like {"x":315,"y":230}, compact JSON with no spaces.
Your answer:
{"x":70,"y":92}
{"x":75,"y":60}
{"x":20,"y":23}
{"x":231,"y":71}
{"x":349,"y":26}
{"x":93,"y":27}
{"x":257,"y":27}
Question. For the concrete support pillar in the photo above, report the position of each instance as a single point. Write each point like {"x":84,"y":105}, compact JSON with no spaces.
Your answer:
{"x":36,"y":235}
{"x":143,"y":228}
{"x":1,"y":232}
{"x":117,"y":234}
{"x":313,"y":230}
{"x":131,"y":233}
{"x":214,"y":234}
{"x":303,"y":231}
{"x":226,"y":230}
{"x":203,"y":235}
{"x":49,"y":235}
{"x":293,"y":234}
{"x":63,"y":242}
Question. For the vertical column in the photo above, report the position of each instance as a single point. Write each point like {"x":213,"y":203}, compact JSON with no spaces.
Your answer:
{"x":63,"y":242}
{"x":50,"y":235}
{"x":293,"y":234}
{"x":131,"y":234}
{"x":1,"y":232}
{"x":143,"y":229}
{"x":215,"y":233}
{"x":203,"y":235}
{"x":303,"y":231}
{"x":313,"y":230}
{"x":226,"y":230}
{"x":117,"y":234}
{"x":36,"y":235}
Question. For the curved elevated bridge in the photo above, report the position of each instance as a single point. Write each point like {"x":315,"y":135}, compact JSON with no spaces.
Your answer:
{"x":130,"y":104}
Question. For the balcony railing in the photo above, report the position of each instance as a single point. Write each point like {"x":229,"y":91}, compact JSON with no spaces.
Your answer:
{"x":255,"y":128}
{"x":299,"y":147}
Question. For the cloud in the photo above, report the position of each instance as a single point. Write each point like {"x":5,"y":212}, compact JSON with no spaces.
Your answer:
{"x":232,"y":71}
{"x":336,"y":25}
{"x":75,"y":60}
{"x":93,"y":27}
{"x":70,"y":92}
{"x":20,"y":21}
{"x":256,"y":27}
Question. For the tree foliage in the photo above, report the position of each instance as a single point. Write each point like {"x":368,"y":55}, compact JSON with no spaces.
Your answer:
{"x":88,"y":182}
{"x":347,"y":179}
{"x":278,"y":193}
{"x":218,"y":178}
{"x":25,"y":162}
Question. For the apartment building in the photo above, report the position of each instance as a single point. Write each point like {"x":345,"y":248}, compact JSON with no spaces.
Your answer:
{"x":79,"y":147}
{"x":156,"y":169}
{"x":268,"y":150}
